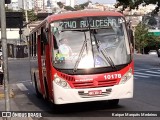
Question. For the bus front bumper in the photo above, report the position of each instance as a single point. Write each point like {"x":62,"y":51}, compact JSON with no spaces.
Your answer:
{"x":65,"y":96}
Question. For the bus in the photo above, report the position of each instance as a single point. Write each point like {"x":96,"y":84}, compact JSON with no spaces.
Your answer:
{"x":82,"y":56}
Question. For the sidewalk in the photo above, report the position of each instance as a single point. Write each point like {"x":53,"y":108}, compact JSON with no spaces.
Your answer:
{"x":1,"y":92}
{"x":12,"y":104}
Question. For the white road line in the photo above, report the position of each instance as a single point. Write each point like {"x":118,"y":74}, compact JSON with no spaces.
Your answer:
{"x":146,"y":74}
{"x":21,"y":87}
{"x":153,"y":72}
{"x":135,"y":77}
{"x":158,"y":69}
{"x":23,"y":81}
{"x":140,"y":69}
{"x":141,"y":76}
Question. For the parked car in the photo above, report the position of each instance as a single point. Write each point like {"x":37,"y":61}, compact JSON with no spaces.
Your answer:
{"x":152,"y":52}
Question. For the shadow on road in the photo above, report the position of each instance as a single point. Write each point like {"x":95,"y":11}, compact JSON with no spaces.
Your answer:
{"x":101,"y":108}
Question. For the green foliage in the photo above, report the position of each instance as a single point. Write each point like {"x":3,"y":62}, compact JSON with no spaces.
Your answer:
{"x":143,"y":38}
{"x":78,"y":7}
{"x":132,"y":4}
{"x":81,"y":6}
{"x":31,"y":15}
{"x":60,"y":4}
{"x":69,"y":8}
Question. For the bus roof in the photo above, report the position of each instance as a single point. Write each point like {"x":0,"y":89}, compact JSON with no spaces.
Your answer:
{"x":77,"y":14}
{"x":84,"y":13}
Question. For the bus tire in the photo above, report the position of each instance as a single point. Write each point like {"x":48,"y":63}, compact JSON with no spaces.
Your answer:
{"x":38,"y":94}
{"x":113,"y":102}
{"x":46,"y":90}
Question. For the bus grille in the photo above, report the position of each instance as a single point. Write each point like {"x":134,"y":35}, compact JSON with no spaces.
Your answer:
{"x":94,"y":84}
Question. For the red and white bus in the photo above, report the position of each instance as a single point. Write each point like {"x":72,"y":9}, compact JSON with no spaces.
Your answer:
{"x":82,"y":56}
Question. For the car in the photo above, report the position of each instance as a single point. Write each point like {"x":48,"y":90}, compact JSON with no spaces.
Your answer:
{"x":152,"y":52}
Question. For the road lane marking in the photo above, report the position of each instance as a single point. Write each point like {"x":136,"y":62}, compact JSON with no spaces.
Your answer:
{"x":23,"y":81}
{"x":153,"y":72}
{"x":137,"y":69}
{"x":135,"y":77}
{"x":21,"y":87}
{"x":140,"y":69}
{"x":146,"y":74}
{"x":141,"y":76}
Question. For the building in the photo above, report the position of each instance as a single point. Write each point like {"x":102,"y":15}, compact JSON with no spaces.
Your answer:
{"x":70,"y":3}
{"x":21,"y":4}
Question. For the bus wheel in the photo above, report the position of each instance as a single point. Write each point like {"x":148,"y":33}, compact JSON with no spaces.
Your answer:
{"x":39,"y":95}
{"x":113,"y":102}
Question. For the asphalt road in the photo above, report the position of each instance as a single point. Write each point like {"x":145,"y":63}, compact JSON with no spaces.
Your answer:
{"x":146,"y":93}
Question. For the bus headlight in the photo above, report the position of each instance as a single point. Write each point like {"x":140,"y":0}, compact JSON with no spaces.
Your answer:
{"x":59,"y":81}
{"x":126,"y":76}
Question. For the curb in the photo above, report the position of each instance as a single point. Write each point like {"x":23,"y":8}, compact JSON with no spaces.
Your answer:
{"x":18,"y":58}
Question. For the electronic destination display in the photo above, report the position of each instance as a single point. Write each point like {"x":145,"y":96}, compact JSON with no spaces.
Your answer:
{"x":92,"y":22}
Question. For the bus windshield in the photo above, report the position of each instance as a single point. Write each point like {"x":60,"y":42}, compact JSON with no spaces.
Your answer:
{"x":92,"y":42}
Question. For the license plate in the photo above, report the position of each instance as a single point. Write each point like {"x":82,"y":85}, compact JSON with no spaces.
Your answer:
{"x":95,"y":92}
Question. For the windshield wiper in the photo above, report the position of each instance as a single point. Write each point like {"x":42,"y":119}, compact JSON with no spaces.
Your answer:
{"x":80,"y":54}
{"x":104,"y":53}
{"x":109,"y":59}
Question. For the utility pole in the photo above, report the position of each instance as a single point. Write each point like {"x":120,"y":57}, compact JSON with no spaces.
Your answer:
{"x":26,"y":9}
{"x":5,"y":56}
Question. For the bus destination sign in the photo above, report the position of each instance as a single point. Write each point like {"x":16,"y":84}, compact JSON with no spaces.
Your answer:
{"x":95,"y":22}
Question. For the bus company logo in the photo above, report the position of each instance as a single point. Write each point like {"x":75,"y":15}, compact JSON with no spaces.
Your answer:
{"x":6,"y":114}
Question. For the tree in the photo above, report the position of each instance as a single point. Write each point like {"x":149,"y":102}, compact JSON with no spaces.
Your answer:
{"x":60,"y":4}
{"x":84,"y":5}
{"x":153,"y":41}
{"x":31,"y":15}
{"x":145,"y":39}
{"x":69,"y":8}
{"x":141,"y":37}
{"x":132,"y":4}
{"x":78,"y":7}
